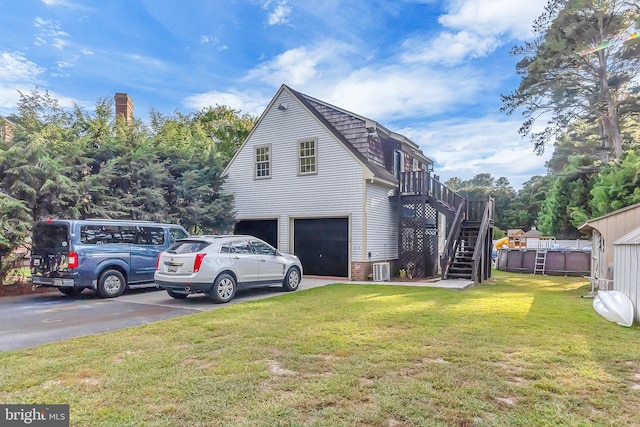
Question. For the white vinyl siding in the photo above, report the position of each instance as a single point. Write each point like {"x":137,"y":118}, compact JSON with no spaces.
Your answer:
{"x":335,"y":190}
{"x":382,"y":224}
{"x":262,"y":162}
{"x":307,"y":157}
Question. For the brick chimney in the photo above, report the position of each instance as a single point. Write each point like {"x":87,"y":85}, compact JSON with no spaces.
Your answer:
{"x":124,"y":106}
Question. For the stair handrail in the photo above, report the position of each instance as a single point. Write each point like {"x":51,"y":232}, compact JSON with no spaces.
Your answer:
{"x":452,"y":238}
{"x":421,"y":182}
{"x":481,"y":241}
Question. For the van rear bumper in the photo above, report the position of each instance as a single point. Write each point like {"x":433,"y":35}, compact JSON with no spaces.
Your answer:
{"x":48,"y":282}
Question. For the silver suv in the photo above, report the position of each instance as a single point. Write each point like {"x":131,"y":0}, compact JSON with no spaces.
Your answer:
{"x":220,"y":265}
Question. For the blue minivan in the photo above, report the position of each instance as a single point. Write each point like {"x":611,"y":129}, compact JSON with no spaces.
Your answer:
{"x":108,"y":256}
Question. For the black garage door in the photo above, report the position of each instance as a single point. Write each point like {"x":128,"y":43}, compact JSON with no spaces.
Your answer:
{"x":265,"y":229}
{"x":322,"y":244}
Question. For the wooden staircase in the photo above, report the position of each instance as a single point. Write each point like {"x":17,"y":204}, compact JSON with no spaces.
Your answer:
{"x":462,"y":265}
{"x":467,"y":254}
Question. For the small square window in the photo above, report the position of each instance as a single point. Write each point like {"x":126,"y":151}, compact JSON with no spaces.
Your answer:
{"x":308,"y":157}
{"x":263,"y":161}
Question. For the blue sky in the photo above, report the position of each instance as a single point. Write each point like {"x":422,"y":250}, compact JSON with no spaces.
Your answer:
{"x":430,"y":70}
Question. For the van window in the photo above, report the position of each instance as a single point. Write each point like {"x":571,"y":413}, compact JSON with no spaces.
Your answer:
{"x":100,"y":234}
{"x":150,"y":236}
{"x":176,"y":234}
{"x":50,"y":236}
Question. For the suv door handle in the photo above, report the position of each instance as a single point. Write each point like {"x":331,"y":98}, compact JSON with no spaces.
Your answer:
{"x":263,"y":260}
{"x":236,"y":257}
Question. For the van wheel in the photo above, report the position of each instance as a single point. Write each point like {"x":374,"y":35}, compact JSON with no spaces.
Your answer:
{"x":223,"y":289}
{"x":111,"y":284}
{"x":72,"y":291}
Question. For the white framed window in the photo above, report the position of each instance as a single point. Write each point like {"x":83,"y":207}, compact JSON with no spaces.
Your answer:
{"x":262,"y":162}
{"x":307,"y":156}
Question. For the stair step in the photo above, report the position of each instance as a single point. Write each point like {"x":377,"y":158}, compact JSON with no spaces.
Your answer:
{"x":456,"y":271}
{"x":458,"y":276}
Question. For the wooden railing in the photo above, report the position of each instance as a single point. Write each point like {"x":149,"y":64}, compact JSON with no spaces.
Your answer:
{"x":481,"y":242}
{"x":452,"y":238}
{"x":422,"y":183}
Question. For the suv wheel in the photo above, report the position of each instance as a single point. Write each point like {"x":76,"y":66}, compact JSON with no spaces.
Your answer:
{"x":111,"y":284}
{"x":291,"y":280}
{"x":176,"y":295}
{"x":223,"y":289}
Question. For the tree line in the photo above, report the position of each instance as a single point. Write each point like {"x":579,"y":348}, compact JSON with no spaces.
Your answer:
{"x":580,"y":77}
{"x":74,"y":164}
{"x":580,"y":94}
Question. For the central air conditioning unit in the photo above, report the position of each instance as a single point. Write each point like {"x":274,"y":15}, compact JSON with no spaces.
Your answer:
{"x":381,"y":271}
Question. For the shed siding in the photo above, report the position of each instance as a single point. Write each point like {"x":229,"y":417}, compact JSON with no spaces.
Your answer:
{"x":382,"y":224}
{"x":335,"y":191}
{"x":627,"y":272}
{"x":612,"y":227}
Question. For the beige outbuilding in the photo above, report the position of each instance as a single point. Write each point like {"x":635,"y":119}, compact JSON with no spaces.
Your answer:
{"x":604,"y":231}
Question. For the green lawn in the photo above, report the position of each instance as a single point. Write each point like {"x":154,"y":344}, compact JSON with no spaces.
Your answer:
{"x":520,"y":350}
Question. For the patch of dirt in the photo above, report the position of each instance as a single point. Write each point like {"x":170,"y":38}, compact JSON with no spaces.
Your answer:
{"x":275,"y":369}
{"x":436,"y":360}
{"x":119,"y":358}
{"x":84,"y":377}
{"x":196,"y":363}
{"x":325,"y":357}
{"x":509,"y":401}
{"x":518,"y":380}
{"x":366,"y":382}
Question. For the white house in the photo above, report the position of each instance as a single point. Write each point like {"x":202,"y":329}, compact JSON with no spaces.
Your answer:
{"x":318,"y":181}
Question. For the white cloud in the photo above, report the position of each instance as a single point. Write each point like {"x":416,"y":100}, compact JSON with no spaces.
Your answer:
{"x":487,"y":145}
{"x":298,"y":66}
{"x":10,"y":97}
{"x":51,"y":3}
{"x":381,"y":92}
{"x":65,"y":3}
{"x":62,"y":69}
{"x":448,"y":48}
{"x":204,"y":39}
{"x":494,"y":17}
{"x":50,"y":33}
{"x":474,"y":29}
{"x":87,"y":52}
{"x":15,"y":67}
{"x":399,"y":92}
{"x":246,"y":102}
{"x":148,"y":61}
{"x":280,"y":14}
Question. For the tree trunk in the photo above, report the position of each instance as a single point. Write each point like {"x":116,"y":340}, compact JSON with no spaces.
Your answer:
{"x":609,"y":125}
